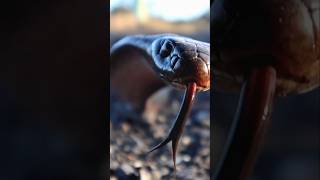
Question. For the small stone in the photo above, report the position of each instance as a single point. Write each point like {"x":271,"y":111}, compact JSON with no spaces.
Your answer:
{"x":125,"y":127}
{"x":164,"y":171}
{"x":127,"y":169}
{"x":137,"y":164}
{"x":178,"y":159}
{"x":186,"y":158}
{"x":145,"y":174}
{"x":113,"y":178}
{"x":160,"y":133}
{"x":153,"y":166}
{"x":175,"y":105}
{"x":161,"y":118}
{"x":205,"y":152}
{"x":114,"y":164}
{"x":186,"y":140}
{"x":203,"y":118}
{"x":205,"y":134}
{"x":131,"y":157}
{"x":127,"y":148}
{"x":149,"y":115}
{"x":157,"y":175}
{"x":164,"y":158}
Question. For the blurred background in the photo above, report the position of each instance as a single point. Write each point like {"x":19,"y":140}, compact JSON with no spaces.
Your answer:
{"x":131,"y":135}
{"x":53,"y":90}
{"x":291,"y":149}
{"x":185,"y":17}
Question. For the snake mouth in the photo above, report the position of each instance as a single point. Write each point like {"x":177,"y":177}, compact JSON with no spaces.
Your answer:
{"x":187,"y":71}
{"x":182,"y":62}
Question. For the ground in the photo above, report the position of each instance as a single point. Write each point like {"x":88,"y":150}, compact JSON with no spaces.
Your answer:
{"x":134,"y":135}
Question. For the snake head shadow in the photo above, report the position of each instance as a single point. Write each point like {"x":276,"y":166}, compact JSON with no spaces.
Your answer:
{"x":182,"y":60}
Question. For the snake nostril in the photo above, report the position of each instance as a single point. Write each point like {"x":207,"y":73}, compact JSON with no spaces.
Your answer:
{"x":174,"y":61}
{"x":166,"y":49}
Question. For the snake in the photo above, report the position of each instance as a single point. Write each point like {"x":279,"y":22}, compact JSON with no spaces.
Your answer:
{"x":158,"y":60}
{"x":262,"y":51}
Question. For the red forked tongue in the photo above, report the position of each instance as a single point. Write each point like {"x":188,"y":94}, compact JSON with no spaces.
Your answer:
{"x":178,"y":126}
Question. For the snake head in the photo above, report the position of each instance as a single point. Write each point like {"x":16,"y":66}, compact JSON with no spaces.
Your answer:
{"x":180,"y":61}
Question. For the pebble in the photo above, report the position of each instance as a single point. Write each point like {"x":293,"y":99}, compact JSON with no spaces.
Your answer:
{"x":151,"y":115}
{"x":178,"y":159}
{"x":186,"y":158}
{"x":127,"y":169}
{"x":145,"y":174}
{"x":161,"y":119}
{"x":131,"y":157}
{"x":203,"y":118}
{"x":205,"y":152}
{"x":125,"y":127}
{"x":114,"y":164}
{"x":186,"y":140}
{"x":175,"y":106}
{"x":159,"y":134}
{"x":127,"y":148}
{"x":164,"y":171}
{"x":164,"y":158}
{"x":137,"y":164}
{"x":113,"y":178}
{"x":158,"y":174}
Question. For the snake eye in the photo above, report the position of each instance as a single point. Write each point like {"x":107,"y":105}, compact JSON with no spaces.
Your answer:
{"x":166,"y":49}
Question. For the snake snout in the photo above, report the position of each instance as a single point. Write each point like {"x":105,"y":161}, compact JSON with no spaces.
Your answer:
{"x":175,"y":62}
{"x":180,"y":62}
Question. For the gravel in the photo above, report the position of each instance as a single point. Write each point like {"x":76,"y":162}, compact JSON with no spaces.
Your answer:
{"x":133,"y":135}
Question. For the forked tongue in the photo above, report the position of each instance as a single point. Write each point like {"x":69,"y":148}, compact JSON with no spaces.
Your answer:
{"x":178,"y":126}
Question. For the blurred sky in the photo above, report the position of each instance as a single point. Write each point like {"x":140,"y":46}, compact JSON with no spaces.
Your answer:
{"x":170,"y":10}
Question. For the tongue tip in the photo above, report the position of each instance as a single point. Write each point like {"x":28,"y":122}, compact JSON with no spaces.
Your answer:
{"x":161,"y":144}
